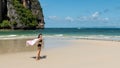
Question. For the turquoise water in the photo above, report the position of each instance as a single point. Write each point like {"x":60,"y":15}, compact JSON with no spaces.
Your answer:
{"x":75,"y":33}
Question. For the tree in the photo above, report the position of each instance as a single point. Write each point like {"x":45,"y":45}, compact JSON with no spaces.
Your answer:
{"x":27,"y":19}
{"x":5,"y":24}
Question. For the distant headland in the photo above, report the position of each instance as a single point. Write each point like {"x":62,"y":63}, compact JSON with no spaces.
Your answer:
{"x":21,"y":14}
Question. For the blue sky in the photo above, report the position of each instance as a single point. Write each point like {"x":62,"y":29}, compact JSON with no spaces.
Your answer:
{"x":81,"y":13}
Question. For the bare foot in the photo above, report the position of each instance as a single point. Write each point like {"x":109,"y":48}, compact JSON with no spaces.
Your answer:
{"x":37,"y":58}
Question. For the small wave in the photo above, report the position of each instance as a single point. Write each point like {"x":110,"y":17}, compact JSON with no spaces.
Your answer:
{"x":98,"y":37}
{"x":58,"y":35}
{"x":4,"y":37}
{"x":7,"y":35}
{"x":12,"y":35}
{"x":62,"y":36}
{"x":55,"y":35}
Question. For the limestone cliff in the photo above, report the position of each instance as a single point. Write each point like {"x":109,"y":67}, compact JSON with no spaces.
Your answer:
{"x":21,"y":14}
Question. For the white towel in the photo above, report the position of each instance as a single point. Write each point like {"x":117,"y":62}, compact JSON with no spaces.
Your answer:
{"x":31,"y":42}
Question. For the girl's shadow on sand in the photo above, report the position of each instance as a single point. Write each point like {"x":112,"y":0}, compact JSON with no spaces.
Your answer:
{"x":41,"y":57}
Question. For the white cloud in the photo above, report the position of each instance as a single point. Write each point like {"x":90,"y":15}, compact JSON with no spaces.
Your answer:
{"x":95,"y":15}
{"x":83,"y":18}
{"x":70,"y":19}
{"x":53,"y":17}
{"x":92,"y":17}
{"x":105,"y":19}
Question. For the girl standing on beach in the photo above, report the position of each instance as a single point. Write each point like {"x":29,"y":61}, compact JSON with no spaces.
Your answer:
{"x":39,"y":45}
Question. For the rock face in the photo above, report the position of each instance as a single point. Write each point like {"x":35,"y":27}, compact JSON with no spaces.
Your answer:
{"x":22,"y":13}
{"x":3,"y":9}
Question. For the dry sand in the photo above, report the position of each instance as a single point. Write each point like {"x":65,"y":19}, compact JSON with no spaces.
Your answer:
{"x":78,"y":54}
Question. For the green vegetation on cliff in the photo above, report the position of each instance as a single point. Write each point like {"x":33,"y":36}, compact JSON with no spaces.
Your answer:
{"x":21,"y":14}
{"x":25,"y":15}
{"x":5,"y":24}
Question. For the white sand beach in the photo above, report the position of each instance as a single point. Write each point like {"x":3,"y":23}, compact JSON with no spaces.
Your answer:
{"x":77,"y":54}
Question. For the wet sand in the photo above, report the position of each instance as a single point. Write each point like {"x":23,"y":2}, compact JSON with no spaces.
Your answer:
{"x":14,"y":45}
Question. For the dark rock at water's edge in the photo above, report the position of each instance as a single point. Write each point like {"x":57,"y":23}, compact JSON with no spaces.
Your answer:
{"x":21,"y":14}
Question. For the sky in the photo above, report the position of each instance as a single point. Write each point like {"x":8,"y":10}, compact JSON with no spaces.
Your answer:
{"x":81,"y":13}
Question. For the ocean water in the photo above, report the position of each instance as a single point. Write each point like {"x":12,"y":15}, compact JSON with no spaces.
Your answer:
{"x":66,"y":33}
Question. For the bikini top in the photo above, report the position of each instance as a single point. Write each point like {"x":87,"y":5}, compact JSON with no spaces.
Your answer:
{"x":40,"y":42}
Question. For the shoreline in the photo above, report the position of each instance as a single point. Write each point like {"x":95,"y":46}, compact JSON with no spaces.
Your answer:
{"x":62,"y":37}
{"x":16,"y":45}
{"x":19,"y":45}
{"x":99,"y":39}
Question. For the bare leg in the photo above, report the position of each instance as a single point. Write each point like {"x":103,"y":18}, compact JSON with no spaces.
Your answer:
{"x":38,"y":53}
